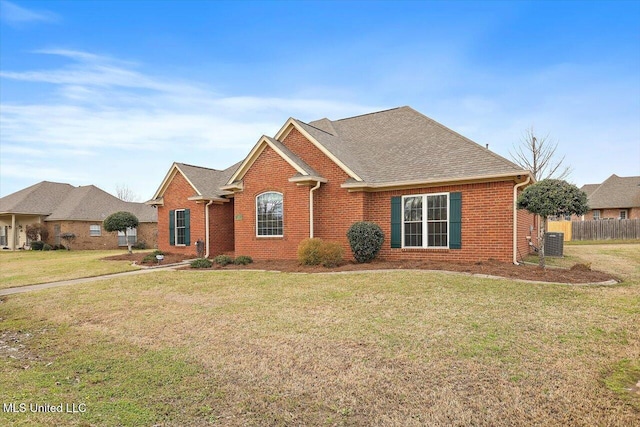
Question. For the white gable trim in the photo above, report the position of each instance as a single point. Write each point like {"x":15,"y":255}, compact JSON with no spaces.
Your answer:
{"x":257,"y":149}
{"x":292,"y":123}
{"x":173,"y":170}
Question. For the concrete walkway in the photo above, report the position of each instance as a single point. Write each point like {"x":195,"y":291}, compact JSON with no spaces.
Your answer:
{"x":29,"y":288}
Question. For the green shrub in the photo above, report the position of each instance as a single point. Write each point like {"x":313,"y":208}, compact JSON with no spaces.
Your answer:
{"x":140,"y":245}
{"x":331,"y":254}
{"x":157,"y":252}
{"x":149,"y":258}
{"x":37,"y":246}
{"x":365,"y":239}
{"x":201,"y":263}
{"x":316,"y":251}
{"x":309,"y":251}
{"x":60,"y":247}
{"x":243,"y":260}
{"x":46,"y":247}
{"x":223,"y":260}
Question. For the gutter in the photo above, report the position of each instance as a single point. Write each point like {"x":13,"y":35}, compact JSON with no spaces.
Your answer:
{"x":515,"y":218}
{"x":311,"y":208}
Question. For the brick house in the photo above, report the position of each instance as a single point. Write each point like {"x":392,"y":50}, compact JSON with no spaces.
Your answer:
{"x":616,"y":198}
{"x":63,"y":208}
{"x":435,"y":194}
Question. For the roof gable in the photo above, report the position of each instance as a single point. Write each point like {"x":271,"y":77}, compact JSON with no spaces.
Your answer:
{"x":301,"y":167}
{"x":615,"y":192}
{"x":205,"y":182}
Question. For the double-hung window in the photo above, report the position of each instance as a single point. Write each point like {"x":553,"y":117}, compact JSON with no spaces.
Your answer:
{"x":269,"y":215}
{"x":95,"y":230}
{"x":132,"y":235}
{"x":180,"y":227}
{"x":425,"y":221}
{"x":596,"y":214}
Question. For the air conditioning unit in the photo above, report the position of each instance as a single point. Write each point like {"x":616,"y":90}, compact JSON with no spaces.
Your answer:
{"x":553,"y":244}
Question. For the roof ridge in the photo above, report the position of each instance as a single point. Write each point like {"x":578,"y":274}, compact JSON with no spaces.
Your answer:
{"x":200,"y":167}
{"x":369,"y":114}
{"x":310,"y":125}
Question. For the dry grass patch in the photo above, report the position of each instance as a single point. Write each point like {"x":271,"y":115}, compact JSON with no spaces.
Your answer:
{"x":402,"y":348}
{"x":21,"y":268}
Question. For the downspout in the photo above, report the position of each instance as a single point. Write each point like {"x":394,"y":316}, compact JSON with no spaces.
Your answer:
{"x":206,"y":230}
{"x":311,"y":208}
{"x":515,"y":218}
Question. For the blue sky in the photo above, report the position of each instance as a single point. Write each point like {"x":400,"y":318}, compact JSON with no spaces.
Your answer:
{"x":112,"y":92}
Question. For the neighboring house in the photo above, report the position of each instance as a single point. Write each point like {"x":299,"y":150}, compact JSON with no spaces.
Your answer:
{"x":435,"y":194}
{"x":63,"y":208}
{"x":616,"y":198}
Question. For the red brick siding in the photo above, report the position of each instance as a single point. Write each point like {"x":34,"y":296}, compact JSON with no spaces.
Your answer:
{"x":221,"y":228}
{"x":147,"y":232}
{"x":526,"y":227}
{"x":487,"y":222}
{"x":270,"y":172}
{"x":632,"y":213}
{"x":334,"y":208}
{"x":175,"y":197}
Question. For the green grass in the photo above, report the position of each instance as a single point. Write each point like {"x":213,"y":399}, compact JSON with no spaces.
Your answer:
{"x":22,"y":268}
{"x":252,"y":348}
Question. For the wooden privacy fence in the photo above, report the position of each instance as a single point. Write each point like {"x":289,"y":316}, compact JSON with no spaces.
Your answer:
{"x":605,"y":229}
{"x":560,"y":227}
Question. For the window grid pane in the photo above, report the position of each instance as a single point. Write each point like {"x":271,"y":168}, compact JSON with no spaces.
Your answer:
{"x":437,"y":220}
{"x":180,"y":227}
{"x":269,"y":214}
{"x":413,"y":221}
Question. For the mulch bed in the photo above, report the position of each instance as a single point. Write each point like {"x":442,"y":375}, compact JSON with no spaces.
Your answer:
{"x":577,"y":274}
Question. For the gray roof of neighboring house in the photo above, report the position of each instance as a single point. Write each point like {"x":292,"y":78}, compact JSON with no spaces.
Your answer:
{"x":208,"y":181}
{"x":64,"y":202}
{"x":614,"y":192}
{"x":38,"y":199}
{"x":402,"y":144}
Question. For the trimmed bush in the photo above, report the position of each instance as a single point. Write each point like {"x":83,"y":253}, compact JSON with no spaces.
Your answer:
{"x":223,"y":260}
{"x":37,"y":246}
{"x":365,"y":239}
{"x":149,"y":258}
{"x":46,"y":247}
{"x":309,"y":251}
{"x":243,"y":260}
{"x":201,"y":263}
{"x":140,"y":245}
{"x":316,"y":251}
{"x":331,"y":254}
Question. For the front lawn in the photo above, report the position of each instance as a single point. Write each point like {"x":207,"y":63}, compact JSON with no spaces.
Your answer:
{"x":20,"y":268}
{"x":258,"y":348}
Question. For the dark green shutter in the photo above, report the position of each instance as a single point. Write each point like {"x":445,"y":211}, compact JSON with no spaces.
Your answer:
{"x":396,"y":222}
{"x":187,"y":228}
{"x":172,"y":228}
{"x":455,"y":220}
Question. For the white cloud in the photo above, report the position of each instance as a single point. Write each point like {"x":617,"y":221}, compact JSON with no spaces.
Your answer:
{"x":107,"y":110}
{"x":16,"y":15}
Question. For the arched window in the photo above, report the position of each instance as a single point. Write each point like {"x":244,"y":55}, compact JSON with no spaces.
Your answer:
{"x":269,"y":214}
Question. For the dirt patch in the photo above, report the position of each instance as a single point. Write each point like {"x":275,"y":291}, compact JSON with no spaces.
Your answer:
{"x":579,"y":274}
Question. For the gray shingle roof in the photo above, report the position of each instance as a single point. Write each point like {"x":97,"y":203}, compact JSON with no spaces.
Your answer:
{"x":207,"y":181}
{"x":38,"y":199}
{"x":402,"y":144}
{"x":64,"y":202}
{"x":615,"y":192}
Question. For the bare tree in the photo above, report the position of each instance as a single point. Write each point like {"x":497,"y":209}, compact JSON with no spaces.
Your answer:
{"x":123,"y":192}
{"x":538,"y":156}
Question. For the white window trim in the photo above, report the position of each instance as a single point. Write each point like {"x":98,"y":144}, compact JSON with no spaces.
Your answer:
{"x":598,"y":216}
{"x":175,"y":227}
{"x":260,"y":236}
{"x":626,"y":214}
{"x":130,"y":233}
{"x":425,"y":238}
